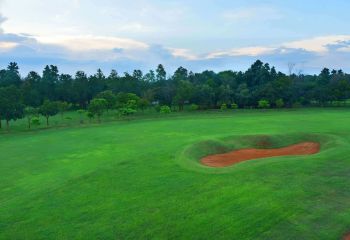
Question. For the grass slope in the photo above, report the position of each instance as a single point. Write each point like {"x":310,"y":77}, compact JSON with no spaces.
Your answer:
{"x":128,"y":180}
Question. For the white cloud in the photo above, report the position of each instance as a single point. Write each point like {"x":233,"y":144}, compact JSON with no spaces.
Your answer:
{"x":246,"y":51}
{"x":317,"y":44}
{"x":92,"y":43}
{"x":6,"y":46}
{"x":183,"y":53}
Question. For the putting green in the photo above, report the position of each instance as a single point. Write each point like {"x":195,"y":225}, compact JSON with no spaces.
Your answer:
{"x":143,"y":179}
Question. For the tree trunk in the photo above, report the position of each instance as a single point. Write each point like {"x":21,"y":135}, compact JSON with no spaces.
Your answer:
{"x":7,"y":124}
{"x":0,"y":123}
{"x":47,"y":121}
{"x":29,"y":123}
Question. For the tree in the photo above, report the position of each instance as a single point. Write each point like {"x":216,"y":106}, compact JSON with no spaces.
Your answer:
{"x":10,"y":76}
{"x":48,"y":109}
{"x":128,"y":108}
{"x":97,"y":107}
{"x":30,"y":112}
{"x":161,"y":73}
{"x":49,"y":82}
{"x":150,"y":77}
{"x":124,"y":98}
{"x":184,"y":92}
{"x":63,"y":107}
{"x":109,"y":97}
{"x":81,"y":89}
{"x":11,"y":107}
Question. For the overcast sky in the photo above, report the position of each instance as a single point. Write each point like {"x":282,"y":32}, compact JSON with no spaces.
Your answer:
{"x":199,"y":34}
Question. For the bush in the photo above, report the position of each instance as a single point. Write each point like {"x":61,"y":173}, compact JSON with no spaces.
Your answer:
{"x":234,"y":106}
{"x":263,"y":103}
{"x":194,"y":107}
{"x":297,"y":105}
{"x":279,"y":103}
{"x":36,"y":121}
{"x":90,"y":115}
{"x":223,"y":107}
{"x":126,"y":111}
{"x":165,"y":109}
{"x":157,"y":108}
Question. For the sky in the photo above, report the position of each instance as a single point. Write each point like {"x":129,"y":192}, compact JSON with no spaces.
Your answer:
{"x":199,"y":34}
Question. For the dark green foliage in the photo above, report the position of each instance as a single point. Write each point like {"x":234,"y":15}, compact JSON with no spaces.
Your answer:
{"x":207,"y":90}
{"x":194,"y":107}
{"x":128,"y":108}
{"x":48,"y":109}
{"x":11,"y":107}
{"x":279,"y":103}
{"x":63,"y":107}
{"x":30,"y":113}
{"x":35,"y":121}
{"x":234,"y":106}
{"x":223,"y":107}
{"x":90,"y":115}
{"x":143,"y":104}
{"x":97,"y":107}
{"x":109,"y":97}
{"x":263,"y":103}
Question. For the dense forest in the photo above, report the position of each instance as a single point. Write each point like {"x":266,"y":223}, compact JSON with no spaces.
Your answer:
{"x":261,"y":86}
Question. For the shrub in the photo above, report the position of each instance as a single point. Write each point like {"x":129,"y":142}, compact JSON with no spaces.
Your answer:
{"x":157,"y":108}
{"x":165,"y":109}
{"x":234,"y":106}
{"x":263,"y":103}
{"x":223,"y":107}
{"x":90,"y":115}
{"x":279,"y":103}
{"x":36,"y":121}
{"x":194,"y":107}
{"x":297,"y":105}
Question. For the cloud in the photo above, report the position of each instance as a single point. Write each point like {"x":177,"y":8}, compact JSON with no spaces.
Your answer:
{"x":246,"y":51}
{"x":92,"y":43}
{"x":318,"y":44}
{"x":88,"y":53}
{"x":183,"y":53}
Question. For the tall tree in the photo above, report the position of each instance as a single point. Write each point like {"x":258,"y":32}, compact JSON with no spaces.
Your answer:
{"x":161,"y":73}
{"x":11,"y":107}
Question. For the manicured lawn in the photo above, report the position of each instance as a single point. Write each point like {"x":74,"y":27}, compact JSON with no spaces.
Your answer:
{"x":135,"y":179}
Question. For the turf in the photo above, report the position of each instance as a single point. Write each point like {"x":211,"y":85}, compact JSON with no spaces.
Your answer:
{"x":140,"y":179}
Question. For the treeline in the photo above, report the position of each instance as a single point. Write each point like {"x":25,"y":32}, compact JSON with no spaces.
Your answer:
{"x":260,"y":86}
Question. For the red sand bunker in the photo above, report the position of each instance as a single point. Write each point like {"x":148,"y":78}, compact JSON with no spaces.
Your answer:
{"x":237,"y":156}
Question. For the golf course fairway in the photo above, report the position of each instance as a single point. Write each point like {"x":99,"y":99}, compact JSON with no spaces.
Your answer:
{"x":143,"y":179}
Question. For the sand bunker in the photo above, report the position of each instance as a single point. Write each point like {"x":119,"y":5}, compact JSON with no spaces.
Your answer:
{"x":237,"y":156}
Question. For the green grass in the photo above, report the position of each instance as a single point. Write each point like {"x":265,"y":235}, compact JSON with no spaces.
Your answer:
{"x":141,"y":179}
